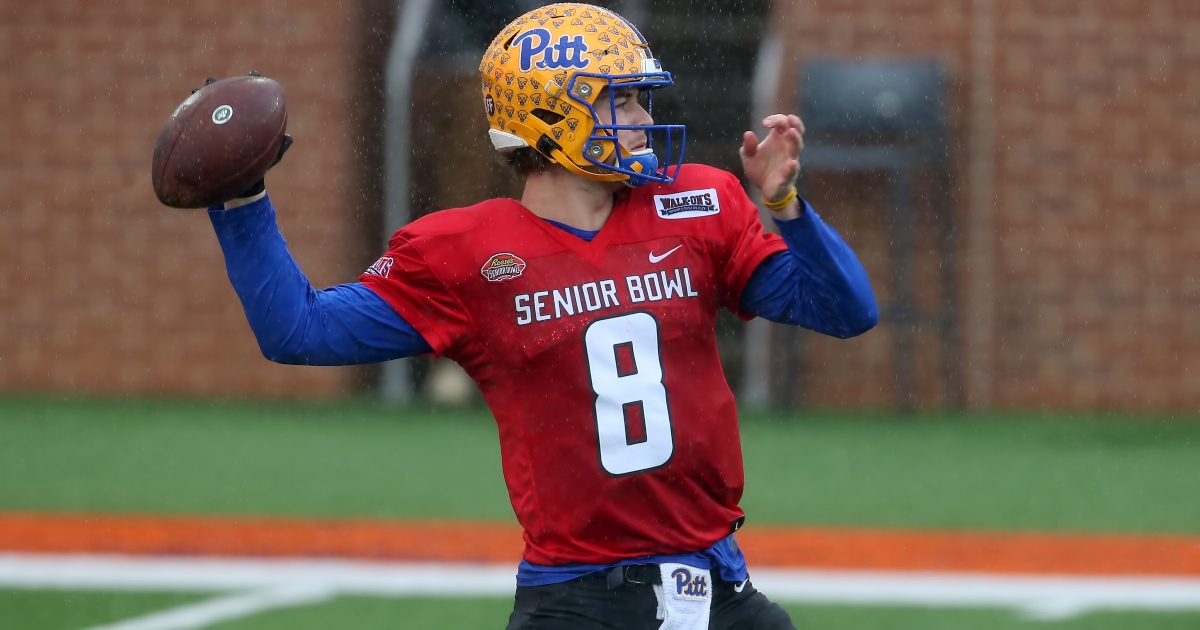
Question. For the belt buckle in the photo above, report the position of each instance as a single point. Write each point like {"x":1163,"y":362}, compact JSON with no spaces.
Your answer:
{"x":626,"y":574}
{"x":629,"y":574}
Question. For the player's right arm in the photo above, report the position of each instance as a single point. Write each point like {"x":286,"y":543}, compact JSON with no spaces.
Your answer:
{"x":293,"y":322}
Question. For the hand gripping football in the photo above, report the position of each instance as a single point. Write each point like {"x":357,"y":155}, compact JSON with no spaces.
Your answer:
{"x":219,"y":142}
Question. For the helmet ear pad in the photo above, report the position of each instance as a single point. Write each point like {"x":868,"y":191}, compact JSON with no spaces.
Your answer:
{"x":578,"y":144}
{"x":541,"y":124}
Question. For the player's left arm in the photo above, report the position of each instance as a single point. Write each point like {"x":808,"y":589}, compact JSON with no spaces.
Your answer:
{"x":818,"y":283}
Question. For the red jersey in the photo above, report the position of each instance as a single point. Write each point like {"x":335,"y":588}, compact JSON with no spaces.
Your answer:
{"x":618,"y":431}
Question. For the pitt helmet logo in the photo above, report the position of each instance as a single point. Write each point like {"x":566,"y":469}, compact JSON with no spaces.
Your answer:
{"x":567,"y":52}
{"x":501,"y":267}
{"x":687,"y":584}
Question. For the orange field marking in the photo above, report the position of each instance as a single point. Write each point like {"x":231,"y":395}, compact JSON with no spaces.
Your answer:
{"x":983,"y":552}
{"x":235,"y":536}
{"x":463,"y":541}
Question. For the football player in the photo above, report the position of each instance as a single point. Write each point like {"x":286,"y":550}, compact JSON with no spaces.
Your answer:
{"x":586,"y":313}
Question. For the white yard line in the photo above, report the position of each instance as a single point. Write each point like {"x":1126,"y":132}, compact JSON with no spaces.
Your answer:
{"x":1037,"y":596}
{"x":206,"y":575}
{"x":227,"y":608}
{"x":262,"y":584}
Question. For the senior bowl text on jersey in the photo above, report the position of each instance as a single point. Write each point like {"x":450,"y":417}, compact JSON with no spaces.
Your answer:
{"x":595,"y":296}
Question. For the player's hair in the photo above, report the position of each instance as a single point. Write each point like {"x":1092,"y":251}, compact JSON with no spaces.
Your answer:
{"x":526,"y":160}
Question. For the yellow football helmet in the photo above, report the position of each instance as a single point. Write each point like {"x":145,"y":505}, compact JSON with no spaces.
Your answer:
{"x":542,"y":76}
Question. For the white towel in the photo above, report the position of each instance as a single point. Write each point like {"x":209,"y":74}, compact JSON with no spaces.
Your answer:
{"x":684,"y":598}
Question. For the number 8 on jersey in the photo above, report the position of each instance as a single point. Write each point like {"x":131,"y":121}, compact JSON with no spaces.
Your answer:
{"x":626,"y":376}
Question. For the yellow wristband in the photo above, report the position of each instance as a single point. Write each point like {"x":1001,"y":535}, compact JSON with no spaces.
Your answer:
{"x":782,"y":203}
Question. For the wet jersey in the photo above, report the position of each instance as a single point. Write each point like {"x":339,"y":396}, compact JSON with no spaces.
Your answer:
{"x":618,"y":431}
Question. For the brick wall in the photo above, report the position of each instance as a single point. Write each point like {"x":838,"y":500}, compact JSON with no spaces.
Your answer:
{"x":101,"y":288}
{"x":1076,"y":274}
{"x":1082,"y":290}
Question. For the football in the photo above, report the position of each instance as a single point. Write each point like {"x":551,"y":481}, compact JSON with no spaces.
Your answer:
{"x":219,"y":142}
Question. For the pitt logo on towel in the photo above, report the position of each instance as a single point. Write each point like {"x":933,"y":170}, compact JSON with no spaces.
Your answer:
{"x":686,"y":584}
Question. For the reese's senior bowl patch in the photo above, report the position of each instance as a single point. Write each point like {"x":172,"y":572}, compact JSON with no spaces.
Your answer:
{"x":501,"y":267}
{"x":688,"y":205}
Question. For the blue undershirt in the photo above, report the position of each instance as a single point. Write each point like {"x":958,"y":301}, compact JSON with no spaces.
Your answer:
{"x":818,"y":283}
{"x":586,"y":235}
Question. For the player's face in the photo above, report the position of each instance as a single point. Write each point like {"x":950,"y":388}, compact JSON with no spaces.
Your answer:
{"x":631,"y":110}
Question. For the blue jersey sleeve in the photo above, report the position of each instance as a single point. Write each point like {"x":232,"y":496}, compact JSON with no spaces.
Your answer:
{"x":293,"y":322}
{"x":818,"y":283}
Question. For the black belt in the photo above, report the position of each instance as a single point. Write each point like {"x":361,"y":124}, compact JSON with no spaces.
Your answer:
{"x":634,"y":574}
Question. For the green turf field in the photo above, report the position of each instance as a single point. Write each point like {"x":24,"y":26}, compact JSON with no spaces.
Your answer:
{"x":1106,"y":473}
{"x":58,"y":610}
{"x":1098,"y":473}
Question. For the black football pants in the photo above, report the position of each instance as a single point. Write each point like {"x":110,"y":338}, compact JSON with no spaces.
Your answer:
{"x":624,"y":599}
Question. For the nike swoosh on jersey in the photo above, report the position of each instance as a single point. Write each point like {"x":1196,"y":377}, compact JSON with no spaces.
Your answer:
{"x":655,"y":259}
{"x":737,"y":588}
